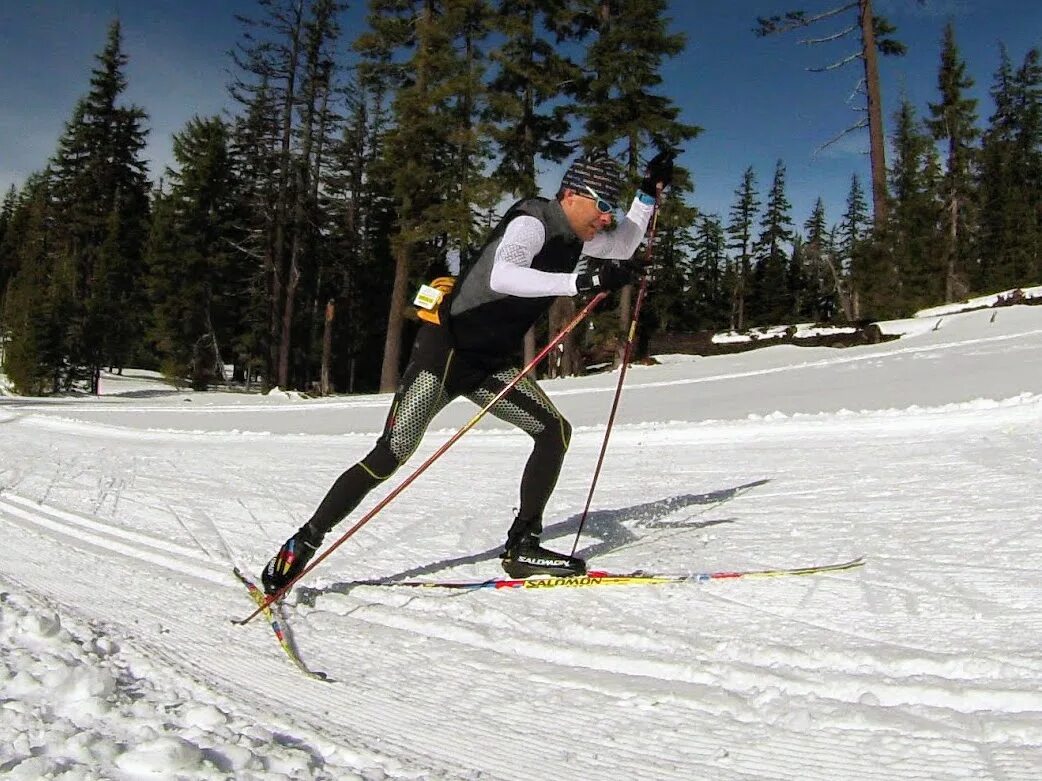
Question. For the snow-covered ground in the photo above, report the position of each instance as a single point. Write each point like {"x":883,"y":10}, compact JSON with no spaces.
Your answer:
{"x":120,"y":518}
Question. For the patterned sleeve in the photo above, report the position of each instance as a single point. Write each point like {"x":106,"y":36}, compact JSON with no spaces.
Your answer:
{"x":512,"y":272}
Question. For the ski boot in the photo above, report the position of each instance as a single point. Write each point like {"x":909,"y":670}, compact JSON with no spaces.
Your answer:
{"x":527,"y":558}
{"x":291,"y":560}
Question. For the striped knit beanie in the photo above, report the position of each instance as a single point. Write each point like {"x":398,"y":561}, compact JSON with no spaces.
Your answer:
{"x":598,"y":172}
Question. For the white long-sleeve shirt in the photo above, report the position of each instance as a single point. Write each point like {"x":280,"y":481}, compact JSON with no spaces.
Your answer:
{"x":513,"y":275}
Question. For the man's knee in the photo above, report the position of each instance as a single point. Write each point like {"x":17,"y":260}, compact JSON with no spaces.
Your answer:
{"x":556,"y":436}
{"x":566,"y":433}
{"x":380,"y":462}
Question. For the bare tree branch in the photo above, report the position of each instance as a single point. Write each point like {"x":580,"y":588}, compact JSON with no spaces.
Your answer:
{"x":858,"y":90}
{"x":794,"y":20}
{"x":858,"y":126}
{"x":833,"y":37}
{"x":247,"y":252}
{"x":837,"y":64}
{"x":832,"y":12}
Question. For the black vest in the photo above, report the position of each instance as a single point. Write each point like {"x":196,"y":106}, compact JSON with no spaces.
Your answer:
{"x":488,"y":327}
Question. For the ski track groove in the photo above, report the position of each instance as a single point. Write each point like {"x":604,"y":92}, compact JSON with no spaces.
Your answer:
{"x":739,"y":677}
{"x":695,"y":722}
{"x":831,"y":629}
{"x":498,"y":719}
{"x":197,"y":667}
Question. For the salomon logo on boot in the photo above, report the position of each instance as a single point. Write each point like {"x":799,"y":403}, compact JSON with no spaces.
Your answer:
{"x":527,"y":558}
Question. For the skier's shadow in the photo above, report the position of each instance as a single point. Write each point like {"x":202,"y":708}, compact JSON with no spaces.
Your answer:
{"x":614,"y":529}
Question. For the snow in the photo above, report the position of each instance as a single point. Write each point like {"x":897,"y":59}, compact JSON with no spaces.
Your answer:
{"x":121,"y":516}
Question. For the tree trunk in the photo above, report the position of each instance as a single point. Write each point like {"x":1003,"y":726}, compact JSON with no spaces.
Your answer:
{"x":288,"y":308}
{"x":841,"y":293}
{"x":218,"y":361}
{"x":876,"y":148}
{"x":272,"y":268}
{"x":280,"y":288}
{"x":626,"y":294}
{"x":529,"y":346}
{"x":325,"y":385}
{"x":953,"y":250}
{"x":307,"y":176}
{"x":625,"y":317}
{"x":395,"y":318}
{"x":565,"y":360}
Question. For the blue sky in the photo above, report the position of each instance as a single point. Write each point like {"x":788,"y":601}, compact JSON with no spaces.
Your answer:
{"x":754,"y":97}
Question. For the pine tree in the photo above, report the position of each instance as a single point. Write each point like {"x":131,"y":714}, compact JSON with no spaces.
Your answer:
{"x":254,"y":159}
{"x":710,"y":286}
{"x":854,"y":226}
{"x":7,"y":267}
{"x":826,"y":284}
{"x":196,"y":277}
{"x":999,"y":201}
{"x":269,"y":58}
{"x":1010,"y":233}
{"x":771,"y":295}
{"x":287,"y":85}
{"x":424,"y":50}
{"x":617,"y":101}
{"x":953,"y":119}
{"x":1029,"y":165}
{"x":671,"y":300}
{"x":101,"y":189}
{"x":919,"y":277}
{"x":316,"y":125}
{"x":740,"y":235}
{"x":7,"y":210}
{"x":528,"y":110}
{"x":867,"y":257}
{"x":361,"y":207}
{"x":38,"y":295}
{"x":526,"y":93}
{"x":471,"y":192}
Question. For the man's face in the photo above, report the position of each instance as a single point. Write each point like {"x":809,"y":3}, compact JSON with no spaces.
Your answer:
{"x":584,"y":214}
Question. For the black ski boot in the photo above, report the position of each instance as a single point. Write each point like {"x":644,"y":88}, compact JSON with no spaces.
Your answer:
{"x":291,"y":559}
{"x":528,"y":558}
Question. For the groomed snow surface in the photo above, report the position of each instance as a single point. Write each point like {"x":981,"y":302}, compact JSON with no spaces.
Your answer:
{"x":121,"y":517}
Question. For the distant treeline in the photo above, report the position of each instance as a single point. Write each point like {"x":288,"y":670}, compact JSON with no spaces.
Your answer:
{"x":287,"y":239}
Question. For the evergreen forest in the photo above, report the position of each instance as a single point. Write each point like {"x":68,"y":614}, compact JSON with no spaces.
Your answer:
{"x":283,"y":246}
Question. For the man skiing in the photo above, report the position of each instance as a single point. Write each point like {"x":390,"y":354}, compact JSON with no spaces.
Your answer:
{"x":531,"y":257}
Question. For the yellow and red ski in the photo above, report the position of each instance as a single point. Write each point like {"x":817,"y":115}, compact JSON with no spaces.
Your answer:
{"x":604,"y":578}
{"x":278,"y":627}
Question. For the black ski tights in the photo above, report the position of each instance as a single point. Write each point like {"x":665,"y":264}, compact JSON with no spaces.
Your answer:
{"x":436,"y":375}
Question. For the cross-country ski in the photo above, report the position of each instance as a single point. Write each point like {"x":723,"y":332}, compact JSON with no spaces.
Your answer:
{"x":597,"y":578}
{"x":278,"y":627}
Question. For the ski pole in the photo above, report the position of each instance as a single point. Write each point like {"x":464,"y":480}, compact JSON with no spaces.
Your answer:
{"x":627,"y":349}
{"x":593,"y":302}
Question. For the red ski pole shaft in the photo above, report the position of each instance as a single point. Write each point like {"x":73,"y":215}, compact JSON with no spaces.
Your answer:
{"x":627,"y":349}
{"x":593,"y":302}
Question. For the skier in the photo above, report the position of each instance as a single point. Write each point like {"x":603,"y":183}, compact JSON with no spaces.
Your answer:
{"x":531,"y":257}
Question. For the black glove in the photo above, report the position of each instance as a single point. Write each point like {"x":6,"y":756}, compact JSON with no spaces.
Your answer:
{"x":607,"y":276}
{"x":658,"y":172}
